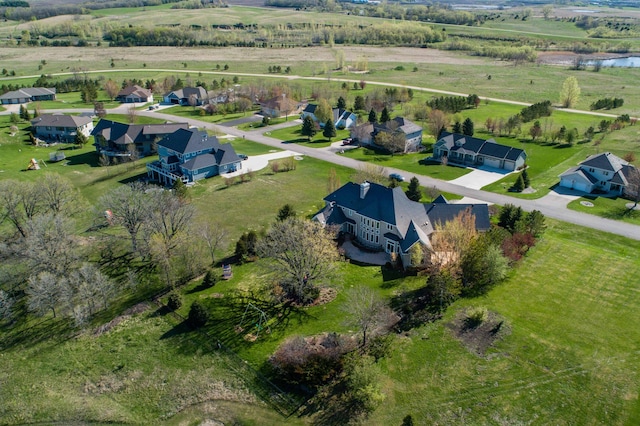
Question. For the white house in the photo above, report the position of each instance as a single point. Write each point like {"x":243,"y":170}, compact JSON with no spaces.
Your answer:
{"x":600,"y":172}
{"x":61,"y":127}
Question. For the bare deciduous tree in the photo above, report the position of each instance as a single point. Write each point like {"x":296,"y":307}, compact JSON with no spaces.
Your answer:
{"x":368,"y":312}
{"x":632,"y":190}
{"x":45,"y":292}
{"x":6,"y":305}
{"x":450,"y":241}
{"x":303,"y":254}
{"x":370,"y":173}
{"x":58,"y":194}
{"x":214,"y":235}
{"x":111,"y":88}
{"x":128,"y":207}
{"x":49,"y":244}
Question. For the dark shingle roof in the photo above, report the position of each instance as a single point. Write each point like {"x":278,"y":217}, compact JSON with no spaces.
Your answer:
{"x":467,"y":144}
{"x":442,"y":213}
{"x":604,"y":161}
{"x":60,"y":120}
{"x":186,"y":141}
{"x":120,"y":133}
{"x":226,"y":155}
{"x":28,"y":92}
{"x":200,"y":162}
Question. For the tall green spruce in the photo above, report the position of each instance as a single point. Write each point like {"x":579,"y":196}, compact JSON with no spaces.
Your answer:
{"x":413,"y":191}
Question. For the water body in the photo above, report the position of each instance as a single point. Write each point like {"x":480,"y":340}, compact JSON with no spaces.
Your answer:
{"x":630,"y":62}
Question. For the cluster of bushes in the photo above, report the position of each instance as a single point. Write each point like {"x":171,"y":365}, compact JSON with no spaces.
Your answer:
{"x":452,"y":104}
{"x":277,"y":69}
{"x":535,"y":111}
{"x":286,"y":165}
{"x":607,"y":103}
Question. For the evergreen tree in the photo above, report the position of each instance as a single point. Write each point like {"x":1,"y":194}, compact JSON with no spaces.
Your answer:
{"x":525,"y":178}
{"x":373,"y":118}
{"x":308,"y":127}
{"x":413,"y":191}
{"x":467,"y":127}
{"x":329,"y":130}
{"x":519,"y":185}
{"x":359,"y":105}
{"x":457,"y":127}
{"x":342,"y":104}
{"x":384,"y":115}
{"x":180,"y":189}
{"x":80,"y":139}
{"x":285,"y":212}
{"x":198,"y":315}
{"x":175,"y":301}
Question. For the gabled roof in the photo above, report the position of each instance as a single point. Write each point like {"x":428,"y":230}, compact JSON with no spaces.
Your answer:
{"x":186,"y":92}
{"x":227,"y":155}
{"x":186,"y":141}
{"x":399,"y":124}
{"x":280,"y":103}
{"x":29,"y":92}
{"x":200,"y":162}
{"x":604,"y":161}
{"x":60,"y":120}
{"x":134,"y":90}
{"x":442,"y":213}
{"x":310,"y":108}
{"x":580,"y":174}
{"x":468,"y":144}
{"x":123,"y":134}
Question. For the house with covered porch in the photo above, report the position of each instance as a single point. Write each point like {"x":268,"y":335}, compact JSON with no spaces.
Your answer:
{"x":603,"y":172}
{"x":115,"y":139}
{"x":469,"y":151}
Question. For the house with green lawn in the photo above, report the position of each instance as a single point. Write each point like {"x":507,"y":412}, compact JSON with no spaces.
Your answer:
{"x":384,"y":219}
{"x":61,"y":127}
{"x":603,"y":172}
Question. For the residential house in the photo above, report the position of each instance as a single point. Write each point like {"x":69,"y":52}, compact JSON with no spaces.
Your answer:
{"x":197,"y":95}
{"x":469,"y":151}
{"x":134,"y":93}
{"x":600,"y":172}
{"x":61,"y":127}
{"x":191,"y":155}
{"x":365,"y":134}
{"x":342,"y":119}
{"x":28,"y":94}
{"x":278,"y":106}
{"x":116,"y":139}
{"x":384,"y":219}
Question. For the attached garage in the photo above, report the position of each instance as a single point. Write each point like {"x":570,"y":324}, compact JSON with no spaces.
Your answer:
{"x":492,"y":162}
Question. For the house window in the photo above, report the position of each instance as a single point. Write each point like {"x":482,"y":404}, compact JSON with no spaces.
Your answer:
{"x":389,"y":227}
{"x":591,"y":169}
{"x":606,"y":173}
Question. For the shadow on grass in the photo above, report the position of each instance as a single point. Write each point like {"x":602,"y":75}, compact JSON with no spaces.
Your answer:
{"x":35,"y":332}
{"x":132,"y":179}
{"x":89,"y":158}
{"x":620,"y":212}
{"x":180,"y":329}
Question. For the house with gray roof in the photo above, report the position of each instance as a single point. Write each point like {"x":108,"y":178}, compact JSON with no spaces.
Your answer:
{"x":279,"y":105}
{"x":28,"y":94}
{"x":600,"y":172}
{"x":365,"y":134}
{"x":198,"y":95}
{"x":134,"y":93}
{"x":469,"y":151}
{"x":117,"y":139}
{"x":384,"y":219}
{"x":191,"y":155}
{"x":342,"y":118}
{"x":61,"y":127}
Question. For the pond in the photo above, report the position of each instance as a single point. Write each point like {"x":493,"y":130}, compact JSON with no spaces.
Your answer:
{"x":629,"y":62}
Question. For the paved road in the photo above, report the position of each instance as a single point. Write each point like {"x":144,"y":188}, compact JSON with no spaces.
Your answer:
{"x":549,"y":206}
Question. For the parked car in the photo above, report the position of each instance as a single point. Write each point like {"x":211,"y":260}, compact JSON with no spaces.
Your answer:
{"x":243,"y":156}
{"x":347,"y":141}
{"x":397,"y":177}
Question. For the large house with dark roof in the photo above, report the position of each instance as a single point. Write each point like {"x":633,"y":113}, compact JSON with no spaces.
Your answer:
{"x":469,"y":151}
{"x":191,"y":155}
{"x":61,"y":127}
{"x":115,"y":139}
{"x":600,"y":172}
{"x":134,"y":93}
{"x":28,"y":94}
{"x":275,"y":107}
{"x":384,"y":219}
{"x":365,"y":134}
{"x":194,"y":96}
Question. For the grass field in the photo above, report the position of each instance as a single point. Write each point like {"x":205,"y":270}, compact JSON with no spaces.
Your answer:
{"x":293,"y":134}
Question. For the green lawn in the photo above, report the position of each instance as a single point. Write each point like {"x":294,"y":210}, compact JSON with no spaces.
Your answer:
{"x":610,"y":208}
{"x":293,"y":134}
{"x":191,"y":112}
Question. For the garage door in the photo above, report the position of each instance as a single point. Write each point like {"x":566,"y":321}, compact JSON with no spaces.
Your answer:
{"x":491,"y":162}
{"x":578,"y":186}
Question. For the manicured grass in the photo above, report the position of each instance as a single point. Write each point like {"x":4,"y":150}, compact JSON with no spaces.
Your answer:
{"x":610,"y":208}
{"x":191,"y":112}
{"x":293,"y":134}
{"x":408,"y":162}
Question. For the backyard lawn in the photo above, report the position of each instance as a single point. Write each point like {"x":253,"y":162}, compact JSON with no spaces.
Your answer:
{"x":293,"y":134}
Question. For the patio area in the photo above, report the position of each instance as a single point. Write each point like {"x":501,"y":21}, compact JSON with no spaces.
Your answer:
{"x":357,"y":254}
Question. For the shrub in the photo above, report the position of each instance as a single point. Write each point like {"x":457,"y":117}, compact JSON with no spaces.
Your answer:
{"x":517,"y":245}
{"x":198,"y":315}
{"x":476,"y":316}
{"x":175,"y":301}
{"x":210,"y":279}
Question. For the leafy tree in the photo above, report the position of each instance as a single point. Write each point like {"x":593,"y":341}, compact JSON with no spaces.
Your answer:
{"x":589,"y":133}
{"x":286,"y":212}
{"x":413,"y":191}
{"x":536,"y":130}
{"x":359,"y":104}
{"x":323,"y":111}
{"x":363,"y":383}
{"x":329,"y":130}
{"x":174,"y":302}
{"x":570,"y":92}
{"x":518,"y":186}
{"x":384,"y":115}
{"x":308,"y":127}
{"x":198,"y":315}
{"x":393,"y":142}
{"x":303,"y":254}
{"x":482,"y":265}
{"x":99,"y":109}
{"x":342,"y":104}
{"x":373,"y":118}
{"x":467,"y":127}
{"x":111,"y":89}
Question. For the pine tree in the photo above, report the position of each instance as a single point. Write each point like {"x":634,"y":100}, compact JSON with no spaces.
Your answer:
{"x":373,"y":118}
{"x":413,"y":191}
{"x":329,"y":130}
{"x":342,"y":104}
{"x":286,"y":212}
{"x":519,"y":185}
{"x":358,"y":105}
{"x":525,"y":178}
{"x":180,"y":189}
{"x":467,"y":127}
{"x":457,"y":127}
{"x":308,"y":127}
{"x":198,"y":315}
{"x":384,"y":115}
